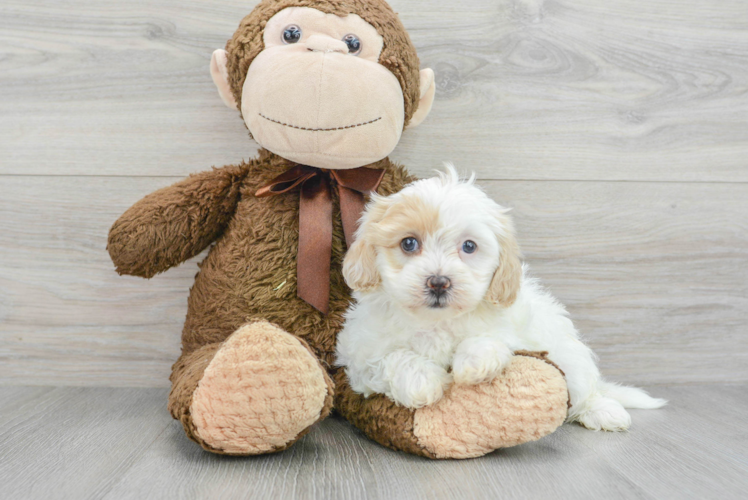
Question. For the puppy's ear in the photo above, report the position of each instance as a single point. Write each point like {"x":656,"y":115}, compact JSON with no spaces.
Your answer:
{"x":360,"y":266}
{"x":360,"y":263}
{"x":506,"y":280}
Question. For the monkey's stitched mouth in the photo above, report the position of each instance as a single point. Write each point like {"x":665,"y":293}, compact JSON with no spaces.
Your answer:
{"x":319,"y":129}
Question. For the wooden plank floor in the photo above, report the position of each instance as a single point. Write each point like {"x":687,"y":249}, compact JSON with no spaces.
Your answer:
{"x":121,"y":443}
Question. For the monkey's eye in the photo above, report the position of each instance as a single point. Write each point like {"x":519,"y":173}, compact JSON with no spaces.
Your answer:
{"x":291,"y":34}
{"x":469,"y":246}
{"x":353,"y":43}
{"x":409,"y":244}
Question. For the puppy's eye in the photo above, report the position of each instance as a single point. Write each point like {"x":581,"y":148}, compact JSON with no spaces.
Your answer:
{"x":353,"y":43}
{"x":469,"y":246}
{"x":291,"y":34}
{"x":409,"y":244}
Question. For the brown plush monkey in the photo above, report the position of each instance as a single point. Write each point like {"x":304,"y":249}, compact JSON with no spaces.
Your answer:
{"x":325,"y":87}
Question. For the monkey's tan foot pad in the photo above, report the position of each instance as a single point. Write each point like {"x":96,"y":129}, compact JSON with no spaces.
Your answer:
{"x":528,"y":401}
{"x":262,"y":390}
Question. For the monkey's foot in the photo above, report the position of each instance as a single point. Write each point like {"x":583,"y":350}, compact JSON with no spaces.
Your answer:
{"x":528,"y":401}
{"x":260,"y":392}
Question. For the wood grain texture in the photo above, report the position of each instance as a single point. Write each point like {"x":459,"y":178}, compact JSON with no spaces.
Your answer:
{"x":617,"y":130}
{"x":526,"y":89}
{"x":654,"y":274}
{"x":121,"y":444}
{"x":72,"y":442}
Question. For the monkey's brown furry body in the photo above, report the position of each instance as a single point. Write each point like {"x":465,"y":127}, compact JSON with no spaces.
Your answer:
{"x":249,"y":274}
{"x":257,"y":364}
{"x":249,"y":277}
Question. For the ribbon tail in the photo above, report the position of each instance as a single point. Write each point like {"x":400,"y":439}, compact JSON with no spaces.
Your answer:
{"x":351,"y":208}
{"x":353,"y":185}
{"x":315,"y":243}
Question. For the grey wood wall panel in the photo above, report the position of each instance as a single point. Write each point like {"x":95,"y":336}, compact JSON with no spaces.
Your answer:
{"x":527,"y":89}
{"x":618,"y":131}
{"x":654,"y":274}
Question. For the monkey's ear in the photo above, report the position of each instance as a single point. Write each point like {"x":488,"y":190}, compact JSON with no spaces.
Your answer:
{"x":221,"y":78}
{"x":428,"y":90}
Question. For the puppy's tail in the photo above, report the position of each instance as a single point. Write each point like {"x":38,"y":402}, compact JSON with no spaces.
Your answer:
{"x":630,"y":397}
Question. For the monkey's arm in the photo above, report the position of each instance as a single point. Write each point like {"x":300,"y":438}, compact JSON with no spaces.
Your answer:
{"x":175,"y":223}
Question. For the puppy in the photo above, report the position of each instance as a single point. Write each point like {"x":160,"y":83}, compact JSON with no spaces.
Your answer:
{"x":442,"y":298}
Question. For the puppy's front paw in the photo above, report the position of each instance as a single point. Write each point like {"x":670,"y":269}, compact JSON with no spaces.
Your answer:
{"x":605,"y":414}
{"x":479,"y":360}
{"x":420,"y":385}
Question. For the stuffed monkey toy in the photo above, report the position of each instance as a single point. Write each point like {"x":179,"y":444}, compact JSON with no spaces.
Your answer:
{"x":326,"y":87}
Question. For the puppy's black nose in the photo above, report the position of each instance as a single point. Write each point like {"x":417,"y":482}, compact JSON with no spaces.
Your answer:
{"x":438,"y":284}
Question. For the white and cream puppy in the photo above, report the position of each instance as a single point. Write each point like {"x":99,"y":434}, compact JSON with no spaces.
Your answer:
{"x":442,"y":297}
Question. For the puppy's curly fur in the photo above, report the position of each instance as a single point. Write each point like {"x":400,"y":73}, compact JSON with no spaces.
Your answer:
{"x":443,"y":298}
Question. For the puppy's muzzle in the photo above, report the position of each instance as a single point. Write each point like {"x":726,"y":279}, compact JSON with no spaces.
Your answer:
{"x":438,"y":288}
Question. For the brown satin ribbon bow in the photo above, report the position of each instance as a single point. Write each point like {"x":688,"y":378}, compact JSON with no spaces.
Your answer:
{"x":315,"y":220}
